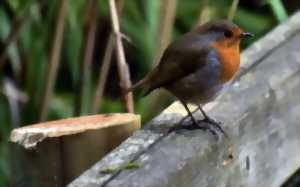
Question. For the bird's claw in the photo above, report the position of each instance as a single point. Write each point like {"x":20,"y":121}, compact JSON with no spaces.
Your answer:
{"x":215,"y":124}
{"x":200,"y":124}
{"x":191,"y":126}
{"x":207,"y":123}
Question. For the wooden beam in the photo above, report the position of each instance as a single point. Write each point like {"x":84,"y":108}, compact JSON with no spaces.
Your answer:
{"x":54,"y":153}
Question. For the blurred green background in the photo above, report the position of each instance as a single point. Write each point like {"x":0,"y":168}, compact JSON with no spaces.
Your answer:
{"x":29,"y":42}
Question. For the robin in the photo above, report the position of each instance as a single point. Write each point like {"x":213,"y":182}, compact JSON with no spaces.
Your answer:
{"x":197,"y":66}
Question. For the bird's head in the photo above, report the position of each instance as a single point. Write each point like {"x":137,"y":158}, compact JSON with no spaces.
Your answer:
{"x":226,"y":33}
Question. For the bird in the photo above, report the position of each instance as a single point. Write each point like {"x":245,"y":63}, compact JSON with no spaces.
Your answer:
{"x":196,"y":67}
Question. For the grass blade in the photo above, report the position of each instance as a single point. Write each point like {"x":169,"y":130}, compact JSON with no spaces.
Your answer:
{"x":232,"y":10}
{"x":279,"y":10}
{"x":81,"y":98}
{"x":54,"y":60}
{"x":122,"y":65}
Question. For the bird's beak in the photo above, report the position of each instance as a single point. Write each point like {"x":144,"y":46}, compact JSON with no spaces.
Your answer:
{"x":246,"y":35}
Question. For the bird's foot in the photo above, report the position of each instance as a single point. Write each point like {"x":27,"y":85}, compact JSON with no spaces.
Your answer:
{"x":204,"y":125}
{"x":196,"y":125}
{"x":216,"y":125}
{"x":191,"y":126}
{"x":213,"y":126}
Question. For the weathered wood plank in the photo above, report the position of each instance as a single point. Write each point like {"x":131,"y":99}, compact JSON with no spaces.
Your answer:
{"x":259,"y":111}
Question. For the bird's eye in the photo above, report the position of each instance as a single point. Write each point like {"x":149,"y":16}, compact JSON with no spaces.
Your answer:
{"x":228,"y":34}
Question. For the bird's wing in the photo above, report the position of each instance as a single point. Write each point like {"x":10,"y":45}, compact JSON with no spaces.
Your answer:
{"x":177,"y":62}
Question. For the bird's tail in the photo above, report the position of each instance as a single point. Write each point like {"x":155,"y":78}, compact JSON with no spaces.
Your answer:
{"x":140,"y":84}
{"x":136,"y":85}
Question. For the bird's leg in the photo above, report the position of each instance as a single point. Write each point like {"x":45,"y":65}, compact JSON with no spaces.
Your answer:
{"x":189,"y":113}
{"x":192,"y":112}
{"x":195,"y":125}
{"x":211,"y":121}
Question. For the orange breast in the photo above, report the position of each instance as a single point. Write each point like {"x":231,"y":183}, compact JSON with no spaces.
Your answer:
{"x":229,"y":58}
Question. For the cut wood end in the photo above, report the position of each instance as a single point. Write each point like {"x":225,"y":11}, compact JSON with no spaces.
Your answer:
{"x":29,"y":136}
